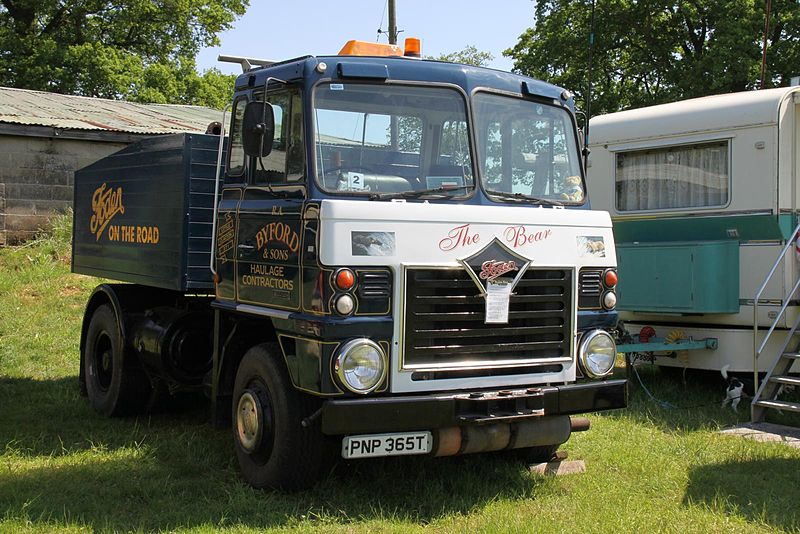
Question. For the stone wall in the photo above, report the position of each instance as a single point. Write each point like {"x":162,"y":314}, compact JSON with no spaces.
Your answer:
{"x":36,"y":178}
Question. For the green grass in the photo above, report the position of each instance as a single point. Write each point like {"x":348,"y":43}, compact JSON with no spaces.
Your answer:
{"x":64,"y":468}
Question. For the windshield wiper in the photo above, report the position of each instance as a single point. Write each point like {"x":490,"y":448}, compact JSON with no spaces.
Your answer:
{"x":440,"y":191}
{"x":521,"y":197}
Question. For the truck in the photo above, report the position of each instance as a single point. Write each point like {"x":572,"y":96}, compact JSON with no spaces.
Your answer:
{"x":704,"y":198}
{"x":377,"y":255}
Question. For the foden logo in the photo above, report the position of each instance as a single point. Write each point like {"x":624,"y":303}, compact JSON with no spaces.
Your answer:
{"x":105,"y":204}
{"x":491,"y":269}
{"x":492,"y":262}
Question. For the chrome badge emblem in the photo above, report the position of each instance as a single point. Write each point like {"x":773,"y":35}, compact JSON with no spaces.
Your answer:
{"x":495,"y":264}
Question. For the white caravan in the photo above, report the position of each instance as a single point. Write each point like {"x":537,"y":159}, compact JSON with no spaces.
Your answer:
{"x":704,"y":198}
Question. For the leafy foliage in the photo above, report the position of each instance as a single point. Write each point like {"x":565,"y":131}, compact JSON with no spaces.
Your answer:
{"x":469,"y":55}
{"x":648,"y":53}
{"x":454,"y":137}
{"x":141,"y":50}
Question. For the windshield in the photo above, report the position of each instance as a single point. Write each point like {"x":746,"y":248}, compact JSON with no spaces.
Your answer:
{"x":389,"y":141}
{"x":527,"y":150}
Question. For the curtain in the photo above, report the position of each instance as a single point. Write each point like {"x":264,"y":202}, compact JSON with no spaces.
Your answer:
{"x":675,"y":177}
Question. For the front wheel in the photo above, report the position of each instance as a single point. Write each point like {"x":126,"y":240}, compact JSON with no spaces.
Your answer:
{"x":273,"y":448}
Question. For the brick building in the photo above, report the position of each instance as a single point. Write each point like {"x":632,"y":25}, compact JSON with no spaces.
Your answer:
{"x":46,"y":137}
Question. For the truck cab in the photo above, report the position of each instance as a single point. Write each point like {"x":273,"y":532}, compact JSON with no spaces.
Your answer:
{"x":403,"y":260}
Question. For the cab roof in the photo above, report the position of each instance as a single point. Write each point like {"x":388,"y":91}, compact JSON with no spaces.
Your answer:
{"x":365,"y":68}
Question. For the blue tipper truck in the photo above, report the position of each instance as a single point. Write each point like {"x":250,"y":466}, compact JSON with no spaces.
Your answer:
{"x":380,"y":256}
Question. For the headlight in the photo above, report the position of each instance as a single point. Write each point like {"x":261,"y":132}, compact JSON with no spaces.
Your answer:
{"x":597,"y":353}
{"x":361,"y":365}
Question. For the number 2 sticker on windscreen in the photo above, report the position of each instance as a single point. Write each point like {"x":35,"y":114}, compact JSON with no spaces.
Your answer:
{"x":355,"y":180}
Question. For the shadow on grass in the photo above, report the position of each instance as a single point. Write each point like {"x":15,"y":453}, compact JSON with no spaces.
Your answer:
{"x":760,"y":490}
{"x":672,"y":400}
{"x":49,"y":417}
{"x":63,"y":463}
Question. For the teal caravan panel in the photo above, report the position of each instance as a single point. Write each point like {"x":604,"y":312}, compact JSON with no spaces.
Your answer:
{"x":701,"y":229}
{"x":679,"y":277}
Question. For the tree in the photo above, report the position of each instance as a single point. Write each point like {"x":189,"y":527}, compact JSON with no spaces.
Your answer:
{"x":660,"y":51}
{"x":142,"y":50}
{"x":469,"y":55}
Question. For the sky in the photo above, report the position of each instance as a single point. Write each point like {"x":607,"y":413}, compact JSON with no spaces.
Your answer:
{"x":288,"y":29}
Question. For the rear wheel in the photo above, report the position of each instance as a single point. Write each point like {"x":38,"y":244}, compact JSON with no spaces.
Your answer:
{"x":274,"y":449}
{"x":115,"y":382}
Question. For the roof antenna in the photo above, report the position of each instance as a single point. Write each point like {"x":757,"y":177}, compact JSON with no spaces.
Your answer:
{"x":764,"y":48}
{"x":380,"y":31}
{"x":589,"y":91}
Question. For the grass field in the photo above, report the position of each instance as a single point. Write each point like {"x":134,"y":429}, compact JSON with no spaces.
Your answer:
{"x":64,"y":468}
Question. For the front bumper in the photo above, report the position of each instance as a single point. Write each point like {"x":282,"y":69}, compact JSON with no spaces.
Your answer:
{"x":418,"y":412}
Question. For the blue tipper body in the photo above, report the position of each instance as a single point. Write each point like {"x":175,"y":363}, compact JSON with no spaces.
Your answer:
{"x":143,"y":214}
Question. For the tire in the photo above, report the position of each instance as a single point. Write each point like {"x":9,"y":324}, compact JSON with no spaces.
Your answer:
{"x":273,"y":448}
{"x":115,"y":382}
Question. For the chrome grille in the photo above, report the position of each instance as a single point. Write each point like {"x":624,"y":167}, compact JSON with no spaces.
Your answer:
{"x":445,"y":314}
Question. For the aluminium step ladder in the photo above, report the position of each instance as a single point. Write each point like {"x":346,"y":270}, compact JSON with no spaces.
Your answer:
{"x":767,"y":394}
{"x":766,"y":397}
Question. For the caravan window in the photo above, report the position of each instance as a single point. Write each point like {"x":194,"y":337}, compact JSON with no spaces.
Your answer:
{"x":689,"y":176}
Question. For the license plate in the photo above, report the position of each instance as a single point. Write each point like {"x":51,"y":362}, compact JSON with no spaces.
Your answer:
{"x":396,"y":444}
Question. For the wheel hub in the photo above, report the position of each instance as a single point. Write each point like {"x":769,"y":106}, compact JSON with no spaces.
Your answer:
{"x":103,"y":360}
{"x":249,"y":421}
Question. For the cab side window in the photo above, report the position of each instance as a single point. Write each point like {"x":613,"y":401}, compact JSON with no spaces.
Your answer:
{"x":237,"y":158}
{"x":295,"y":163}
{"x":285,"y":163}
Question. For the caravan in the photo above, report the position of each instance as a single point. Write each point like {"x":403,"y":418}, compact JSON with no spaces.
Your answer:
{"x":704,"y":199}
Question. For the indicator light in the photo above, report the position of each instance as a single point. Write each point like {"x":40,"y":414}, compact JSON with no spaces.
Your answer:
{"x":610,"y":278}
{"x":345,"y":279}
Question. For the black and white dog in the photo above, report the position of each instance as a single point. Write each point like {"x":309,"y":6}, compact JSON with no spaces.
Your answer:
{"x":735,"y":389}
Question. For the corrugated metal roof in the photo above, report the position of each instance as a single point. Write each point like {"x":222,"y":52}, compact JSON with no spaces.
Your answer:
{"x":37,"y":108}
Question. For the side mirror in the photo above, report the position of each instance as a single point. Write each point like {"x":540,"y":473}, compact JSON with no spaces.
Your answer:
{"x":258,"y":129}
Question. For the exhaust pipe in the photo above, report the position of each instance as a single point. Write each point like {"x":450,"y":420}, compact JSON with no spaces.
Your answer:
{"x":541,"y":431}
{"x":580,"y":424}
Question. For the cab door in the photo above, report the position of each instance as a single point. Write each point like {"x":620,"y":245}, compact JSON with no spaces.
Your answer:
{"x":227,"y":209}
{"x":269,"y":239}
